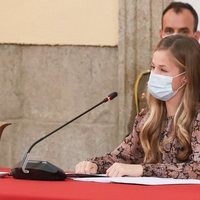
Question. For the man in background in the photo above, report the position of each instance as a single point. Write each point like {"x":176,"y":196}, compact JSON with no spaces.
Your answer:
{"x":177,"y":18}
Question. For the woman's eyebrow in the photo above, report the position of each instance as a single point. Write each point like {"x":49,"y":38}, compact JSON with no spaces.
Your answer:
{"x":162,"y":65}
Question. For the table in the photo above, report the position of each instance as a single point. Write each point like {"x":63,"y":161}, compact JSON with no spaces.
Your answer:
{"x":75,"y":190}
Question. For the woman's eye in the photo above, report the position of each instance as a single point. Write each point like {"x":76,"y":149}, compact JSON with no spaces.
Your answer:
{"x":152,"y":67}
{"x":163,"y":70}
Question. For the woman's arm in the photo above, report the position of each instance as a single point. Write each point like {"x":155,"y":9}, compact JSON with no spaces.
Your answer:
{"x":129,"y":151}
{"x":179,"y":170}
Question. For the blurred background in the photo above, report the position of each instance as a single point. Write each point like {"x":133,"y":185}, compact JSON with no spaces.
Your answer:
{"x":61,"y":57}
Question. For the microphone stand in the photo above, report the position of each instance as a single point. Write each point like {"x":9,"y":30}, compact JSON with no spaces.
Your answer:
{"x":43,"y":170}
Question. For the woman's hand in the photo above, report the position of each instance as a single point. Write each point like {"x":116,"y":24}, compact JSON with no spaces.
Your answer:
{"x":120,"y":169}
{"x":86,"y":167}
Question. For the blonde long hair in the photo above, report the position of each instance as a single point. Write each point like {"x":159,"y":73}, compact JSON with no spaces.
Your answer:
{"x":186,"y":52}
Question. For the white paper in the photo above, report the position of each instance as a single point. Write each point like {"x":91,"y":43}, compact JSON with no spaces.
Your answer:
{"x":140,"y":180}
{"x":77,"y":175}
{"x":154,"y":181}
{"x":93,"y":179}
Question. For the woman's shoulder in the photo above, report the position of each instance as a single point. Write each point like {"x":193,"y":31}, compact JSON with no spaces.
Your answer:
{"x":198,"y":112}
{"x":196,"y":120}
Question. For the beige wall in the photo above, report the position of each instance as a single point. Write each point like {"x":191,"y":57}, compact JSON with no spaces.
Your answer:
{"x":74,"y":22}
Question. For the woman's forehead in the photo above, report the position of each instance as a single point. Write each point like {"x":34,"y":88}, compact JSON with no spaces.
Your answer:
{"x":165,"y":58}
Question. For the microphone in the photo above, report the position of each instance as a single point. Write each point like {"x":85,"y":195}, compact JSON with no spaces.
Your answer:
{"x":44,"y":170}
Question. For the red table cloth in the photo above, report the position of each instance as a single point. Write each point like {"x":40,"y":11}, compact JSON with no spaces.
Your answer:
{"x":11,"y":188}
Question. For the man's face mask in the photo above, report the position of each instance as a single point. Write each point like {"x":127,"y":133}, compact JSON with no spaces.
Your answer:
{"x":160,"y":86}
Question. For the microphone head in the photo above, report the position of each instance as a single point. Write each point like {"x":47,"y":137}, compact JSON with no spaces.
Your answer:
{"x":110,"y":97}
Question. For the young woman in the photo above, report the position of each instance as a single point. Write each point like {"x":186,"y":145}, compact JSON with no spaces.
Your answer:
{"x":165,"y":141}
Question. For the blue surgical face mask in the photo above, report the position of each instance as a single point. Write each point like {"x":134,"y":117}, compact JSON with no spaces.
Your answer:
{"x":160,"y":86}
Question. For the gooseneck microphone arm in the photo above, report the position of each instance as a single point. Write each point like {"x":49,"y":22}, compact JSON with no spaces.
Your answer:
{"x":26,"y":156}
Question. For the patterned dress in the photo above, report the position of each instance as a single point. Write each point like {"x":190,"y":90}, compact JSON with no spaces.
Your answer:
{"x":130,"y":151}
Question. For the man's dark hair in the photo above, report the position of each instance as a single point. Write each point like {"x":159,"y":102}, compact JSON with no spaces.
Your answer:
{"x":178,"y":7}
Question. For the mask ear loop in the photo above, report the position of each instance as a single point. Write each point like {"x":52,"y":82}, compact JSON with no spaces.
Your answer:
{"x":179,"y":74}
{"x":175,"y":92}
{"x":180,"y":88}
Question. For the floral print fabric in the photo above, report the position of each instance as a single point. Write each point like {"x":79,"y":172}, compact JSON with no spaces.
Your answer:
{"x":130,"y":151}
